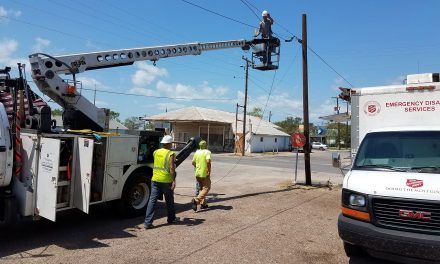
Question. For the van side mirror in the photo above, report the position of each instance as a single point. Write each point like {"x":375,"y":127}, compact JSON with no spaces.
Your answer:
{"x":336,"y":160}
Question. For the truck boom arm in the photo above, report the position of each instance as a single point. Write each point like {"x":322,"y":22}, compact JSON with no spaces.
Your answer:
{"x":46,"y":72}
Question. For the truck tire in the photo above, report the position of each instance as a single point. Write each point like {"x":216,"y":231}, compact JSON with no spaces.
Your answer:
{"x":135,"y":195}
{"x":353,"y":250}
{"x":8,"y":211}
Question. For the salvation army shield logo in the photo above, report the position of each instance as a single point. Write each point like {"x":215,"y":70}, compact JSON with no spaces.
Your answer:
{"x":371,"y":108}
{"x":414,"y":183}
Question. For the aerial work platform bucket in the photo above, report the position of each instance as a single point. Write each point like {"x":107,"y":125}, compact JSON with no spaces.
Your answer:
{"x":265,"y":54}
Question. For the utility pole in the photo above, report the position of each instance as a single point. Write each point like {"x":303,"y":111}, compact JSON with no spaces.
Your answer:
{"x":338,"y":139}
{"x":236,"y":125}
{"x":270,"y":115}
{"x":306,"y":102}
{"x":244,"y":107}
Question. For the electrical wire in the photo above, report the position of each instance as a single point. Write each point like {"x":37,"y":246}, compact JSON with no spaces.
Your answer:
{"x":218,"y":14}
{"x":328,"y":65}
{"x":48,"y":28}
{"x":162,"y":97}
{"x":247,"y":5}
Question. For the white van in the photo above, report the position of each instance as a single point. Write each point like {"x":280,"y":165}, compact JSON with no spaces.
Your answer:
{"x":391,"y":195}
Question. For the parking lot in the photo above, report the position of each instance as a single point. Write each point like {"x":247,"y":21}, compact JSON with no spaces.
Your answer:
{"x":255,"y":216}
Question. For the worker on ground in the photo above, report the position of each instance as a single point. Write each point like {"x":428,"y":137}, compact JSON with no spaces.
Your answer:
{"x":265,"y":29}
{"x":162,"y":182}
{"x":202,"y":164}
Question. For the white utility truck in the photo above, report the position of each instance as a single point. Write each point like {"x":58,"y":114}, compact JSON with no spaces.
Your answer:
{"x":391,"y":195}
{"x":43,"y":172}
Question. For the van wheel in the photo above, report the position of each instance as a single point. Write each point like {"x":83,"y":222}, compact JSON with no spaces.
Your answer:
{"x":353,"y":250}
{"x":135,"y":195}
{"x":321,"y":149}
{"x":8,"y":211}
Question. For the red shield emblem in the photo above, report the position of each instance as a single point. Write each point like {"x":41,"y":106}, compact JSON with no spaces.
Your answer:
{"x":372,"y":108}
{"x":414,"y":183}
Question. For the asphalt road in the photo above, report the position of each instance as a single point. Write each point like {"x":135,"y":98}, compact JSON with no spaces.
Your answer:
{"x":256,"y":216}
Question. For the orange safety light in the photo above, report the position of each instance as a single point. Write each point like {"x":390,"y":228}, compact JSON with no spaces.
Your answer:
{"x":356,"y":214}
{"x":71,"y":89}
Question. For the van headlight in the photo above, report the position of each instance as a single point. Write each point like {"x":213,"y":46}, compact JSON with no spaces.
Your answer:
{"x":357,"y":200}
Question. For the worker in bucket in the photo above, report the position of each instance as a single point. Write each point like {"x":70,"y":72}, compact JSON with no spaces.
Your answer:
{"x":202,"y":165}
{"x":265,"y":29}
{"x":163,"y":182}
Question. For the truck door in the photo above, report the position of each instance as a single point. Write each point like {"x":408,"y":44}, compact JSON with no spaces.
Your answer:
{"x":83,"y":174}
{"x":47,"y":178}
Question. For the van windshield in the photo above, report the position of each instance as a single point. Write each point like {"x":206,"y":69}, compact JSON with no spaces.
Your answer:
{"x":412,"y":151}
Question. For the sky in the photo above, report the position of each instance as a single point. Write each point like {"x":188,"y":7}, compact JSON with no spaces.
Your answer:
{"x":351,"y":44}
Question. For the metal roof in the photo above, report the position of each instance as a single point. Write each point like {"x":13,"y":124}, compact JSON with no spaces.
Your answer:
{"x":200,"y":114}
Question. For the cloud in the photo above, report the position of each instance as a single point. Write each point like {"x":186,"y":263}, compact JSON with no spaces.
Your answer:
{"x":40,"y":44}
{"x":9,"y":12}
{"x":169,"y":106}
{"x":101,"y":103}
{"x":146,"y":74}
{"x":7,"y":48}
{"x":90,"y":83}
{"x":324,"y":109}
{"x":143,"y":91}
{"x":281,"y":103}
{"x":397,"y":80}
{"x":338,"y":82}
{"x":202,"y":91}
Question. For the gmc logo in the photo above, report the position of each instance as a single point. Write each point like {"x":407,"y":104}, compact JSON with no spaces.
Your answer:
{"x":415,"y":215}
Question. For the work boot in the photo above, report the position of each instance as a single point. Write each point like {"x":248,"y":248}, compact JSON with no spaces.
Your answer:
{"x":194,"y":204}
{"x":149,"y":226}
{"x":175,"y":221}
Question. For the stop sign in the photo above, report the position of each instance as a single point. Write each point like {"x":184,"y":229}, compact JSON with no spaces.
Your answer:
{"x":298,"y":140}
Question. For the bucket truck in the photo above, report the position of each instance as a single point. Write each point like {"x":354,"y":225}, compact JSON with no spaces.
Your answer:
{"x":58,"y":171}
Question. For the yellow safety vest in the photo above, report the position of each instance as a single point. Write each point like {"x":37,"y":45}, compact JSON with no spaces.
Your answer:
{"x":161,"y":167}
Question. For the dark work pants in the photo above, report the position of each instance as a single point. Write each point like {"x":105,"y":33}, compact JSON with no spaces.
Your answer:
{"x":158,"y":188}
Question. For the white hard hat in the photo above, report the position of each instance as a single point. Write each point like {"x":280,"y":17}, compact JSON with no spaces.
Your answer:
{"x":265,"y":13}
{"x":167,"y":139}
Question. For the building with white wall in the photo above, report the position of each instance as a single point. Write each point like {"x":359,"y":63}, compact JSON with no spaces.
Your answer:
{"x":221,"y":130}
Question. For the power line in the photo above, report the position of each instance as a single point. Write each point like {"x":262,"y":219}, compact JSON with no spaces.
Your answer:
{"x":329,"y":65}
{"x":163,"y":97}
{"x":218,"y":14}
{"x":50,"y":29}
{"x":247,"y":4}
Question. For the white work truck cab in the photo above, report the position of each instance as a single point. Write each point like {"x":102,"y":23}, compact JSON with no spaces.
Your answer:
{"x":391,"y":195}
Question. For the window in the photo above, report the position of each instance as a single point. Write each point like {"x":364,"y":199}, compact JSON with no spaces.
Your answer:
{"x":183,"y":136}
{"x":261,"y":139}
{"x":275,"y":140}
{"x":412,"y":149}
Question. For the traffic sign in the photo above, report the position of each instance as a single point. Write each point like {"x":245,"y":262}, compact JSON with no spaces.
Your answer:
{"x":298,"y":140}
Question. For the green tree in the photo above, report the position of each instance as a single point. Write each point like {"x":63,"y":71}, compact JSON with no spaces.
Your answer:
{"x":256,"y":111}
{"x":344,"y":133}
{"x":57,"y":112}
{"x":133,"y":123}
{"x":114,"y":116}
{"x":290,"y":124}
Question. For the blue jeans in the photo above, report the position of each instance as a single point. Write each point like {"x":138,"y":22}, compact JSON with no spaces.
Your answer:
{"x":158,"y":188}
